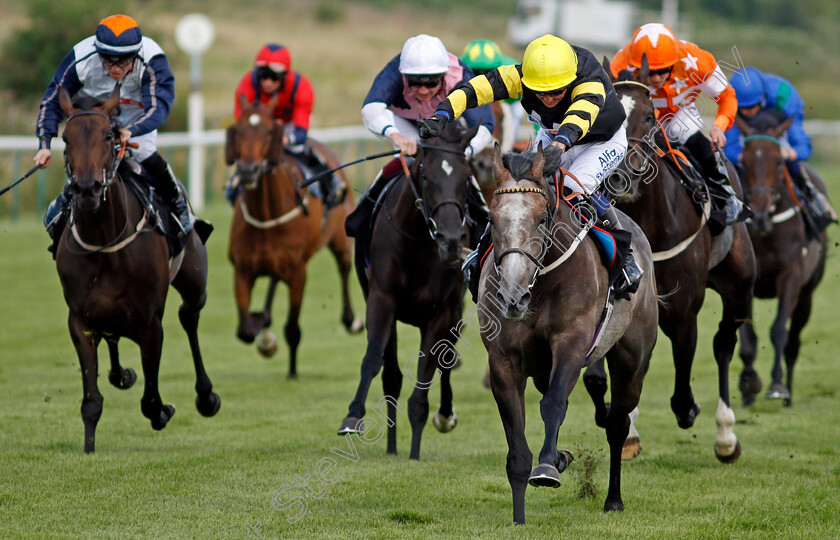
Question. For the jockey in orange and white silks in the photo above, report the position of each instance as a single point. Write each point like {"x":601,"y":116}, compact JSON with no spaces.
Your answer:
{"x":679,"y":71}
{"x":411,"y":86}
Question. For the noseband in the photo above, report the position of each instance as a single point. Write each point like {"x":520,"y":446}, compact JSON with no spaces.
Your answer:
{"x":116,"y":155}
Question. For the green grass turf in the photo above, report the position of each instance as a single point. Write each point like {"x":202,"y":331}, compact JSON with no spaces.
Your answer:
{"x":209,"y":478}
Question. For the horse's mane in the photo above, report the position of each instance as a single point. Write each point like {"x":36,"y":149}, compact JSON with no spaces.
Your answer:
{"x":766,"y":120}
{"x":519,"y":164}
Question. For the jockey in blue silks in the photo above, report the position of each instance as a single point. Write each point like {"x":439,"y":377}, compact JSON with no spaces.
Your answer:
{"x":757,"y":92}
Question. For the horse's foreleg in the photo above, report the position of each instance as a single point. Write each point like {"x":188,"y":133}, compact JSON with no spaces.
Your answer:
{"x":788,"y":286}
{"x":151,"y":343}
{"x":508,"y":386}
{"x":391,"y":387}
{"x":343,"y":253}
{"x":750,"y":383}
{"x":418,"y":403}
{"x":380,"y":323}
{"x":798,"y":321}
{"x":85,"y":341}
{"x":242,"y":284}
{"x":683,"y":336}
{"x":118,"y":376}
{"x":292,"y":328}
{"x":261,"y":323}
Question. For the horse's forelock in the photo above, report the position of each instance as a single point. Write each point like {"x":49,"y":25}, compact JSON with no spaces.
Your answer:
{"x":87,"y":103}
{"x":519,"y":164}
{"x":766,"y":120}
{"x":626,"y":75}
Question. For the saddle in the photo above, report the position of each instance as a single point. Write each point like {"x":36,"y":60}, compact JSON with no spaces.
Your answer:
{"x":330,"y":189}
{"x":159,"y":213}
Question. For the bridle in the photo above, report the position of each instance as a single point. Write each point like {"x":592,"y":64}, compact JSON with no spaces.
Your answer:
{"x":117,"y":152}
{"x":773,"y":194}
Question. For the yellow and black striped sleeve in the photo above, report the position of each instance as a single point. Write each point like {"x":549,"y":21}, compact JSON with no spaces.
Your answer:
{"x":588,"y":96}
{"x":498,"y":84}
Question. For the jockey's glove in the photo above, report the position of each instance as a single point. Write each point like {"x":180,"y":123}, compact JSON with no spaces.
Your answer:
{"x":432,"y":127}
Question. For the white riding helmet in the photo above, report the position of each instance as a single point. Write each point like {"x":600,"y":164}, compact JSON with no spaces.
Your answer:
{"x":424,"y":55}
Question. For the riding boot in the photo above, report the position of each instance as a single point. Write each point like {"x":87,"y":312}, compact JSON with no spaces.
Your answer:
{"x":478,"y":214}
{"x":472,"y":264}
{"x":169,"y":188}
{"x":631,"y":273}
{"x":717,"y":177}
{"x":232,"y":188}
{"x":817,"y":204}
{"x":56,"y":218}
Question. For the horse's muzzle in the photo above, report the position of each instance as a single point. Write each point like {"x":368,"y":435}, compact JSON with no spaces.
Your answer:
{"x":449,"y":247}
{"x":87,"y":194}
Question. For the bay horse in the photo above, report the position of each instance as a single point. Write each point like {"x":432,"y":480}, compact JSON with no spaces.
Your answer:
{"x":277,"y":227}
{"x":115,"y":270}
{"x":790,"y":265}
{"x":414,"y":276}
{"x":687,"y":258}
{"x":541,"y":309}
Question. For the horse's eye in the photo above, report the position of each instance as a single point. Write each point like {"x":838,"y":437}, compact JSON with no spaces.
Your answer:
{"x":543,"y":219}
{"x":109,"y":136}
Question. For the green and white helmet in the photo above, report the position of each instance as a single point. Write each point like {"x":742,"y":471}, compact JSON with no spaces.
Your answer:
{"x":482,"y":55}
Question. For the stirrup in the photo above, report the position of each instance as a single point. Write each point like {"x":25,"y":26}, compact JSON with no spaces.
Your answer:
{"x":631,"y":275}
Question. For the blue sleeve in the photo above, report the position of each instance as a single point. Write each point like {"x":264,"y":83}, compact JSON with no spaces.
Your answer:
{"x":480,"y":115}
{"x":387,"y":87}
{"x":50,"y":113}
{"x":158,"y":89}
{"x":733,"y":146}
{"x":798,"y":139}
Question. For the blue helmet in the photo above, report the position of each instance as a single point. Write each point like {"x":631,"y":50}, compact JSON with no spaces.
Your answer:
{"x":118,"y":35}
{"x":749,"y":89}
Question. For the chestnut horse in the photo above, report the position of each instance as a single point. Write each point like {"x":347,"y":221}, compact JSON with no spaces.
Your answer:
{"x":414,"y":276}
{"x":277,"y":227}
{"x":790,"y":265}
{"x":115,"y":270}
{"x":687,"y":258}
{"x":542,"y":313}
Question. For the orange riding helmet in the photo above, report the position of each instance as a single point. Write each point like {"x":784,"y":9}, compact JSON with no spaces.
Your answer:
{"x":657,"y":42}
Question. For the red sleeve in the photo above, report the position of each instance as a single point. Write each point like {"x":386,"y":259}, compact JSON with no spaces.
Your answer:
{"x":304,"y":101}
{"x":245,"y":88}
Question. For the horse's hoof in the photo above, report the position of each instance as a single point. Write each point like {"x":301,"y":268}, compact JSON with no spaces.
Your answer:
{"x":731,"y":458}
{"x":778,"y":391}
{"x":245,"y":336}
{"x":545,"y":475}
{"x":686,"y":420}
{"x":124,"y":379}
{"x":292,"y":376}
{"x":166,"y":414}
{"x":631,"y":449}
{"x":266,"y":343}
{"x":750,"y":383}
{"x":747,"y":400}
{"x":613,"y":506}
{"x":444,"y":425}
{"x":356,"y":326}
{"x":351,"y":425}
{"x":209,"y":405}
{"x":564,"y":459}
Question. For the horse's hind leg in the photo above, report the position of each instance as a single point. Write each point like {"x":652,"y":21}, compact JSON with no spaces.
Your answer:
{"x":683,"y":335}
{"x":595,"y":381}
{"x":750,"y":383}
{"x":243,"y":282}
{"x":343,"y":253}
{"x":151,"y":343}
{"x":191,"y":283}
{"x":85,"y":343}
{"x":122,"y":378}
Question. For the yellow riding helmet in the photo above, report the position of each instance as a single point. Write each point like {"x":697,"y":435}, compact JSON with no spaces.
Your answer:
{"x":549,"y":64}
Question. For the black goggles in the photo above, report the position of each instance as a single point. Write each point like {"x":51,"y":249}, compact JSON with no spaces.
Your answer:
{"x":552,"y":93}
{"x":425,"y":82}
{"x":268,"y":73}
{"x":661,"y":72}
{"x":119,"y":61}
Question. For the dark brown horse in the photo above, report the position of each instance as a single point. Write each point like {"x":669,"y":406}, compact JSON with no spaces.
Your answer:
{"x":687,"y":258}
{"x":790,"y":265}
{"x":414,"y":276}
{"x":278,"y":227}
{"x":115,"y":271}
{"x":541,"y":305}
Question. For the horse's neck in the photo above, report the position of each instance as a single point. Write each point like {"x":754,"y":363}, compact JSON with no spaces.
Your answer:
{"x":664,"y":205}
{"x":275,"y":192}
{"x":115,"y":215}
{"x":403,"y":210}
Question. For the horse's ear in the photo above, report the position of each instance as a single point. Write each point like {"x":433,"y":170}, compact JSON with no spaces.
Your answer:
{"x":275,"y":149}
{"x":743,"y":126}
{"x":468,"y":136}
{"x":539,"y":162}
{"x":605,"y":63}
{"x":64,"y":101}
{"x":230,"y":144}
{"x":113,"y":101}
{"x":498,"y":164}
{"x":779,"y":130}
{"x":644,"y":70}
